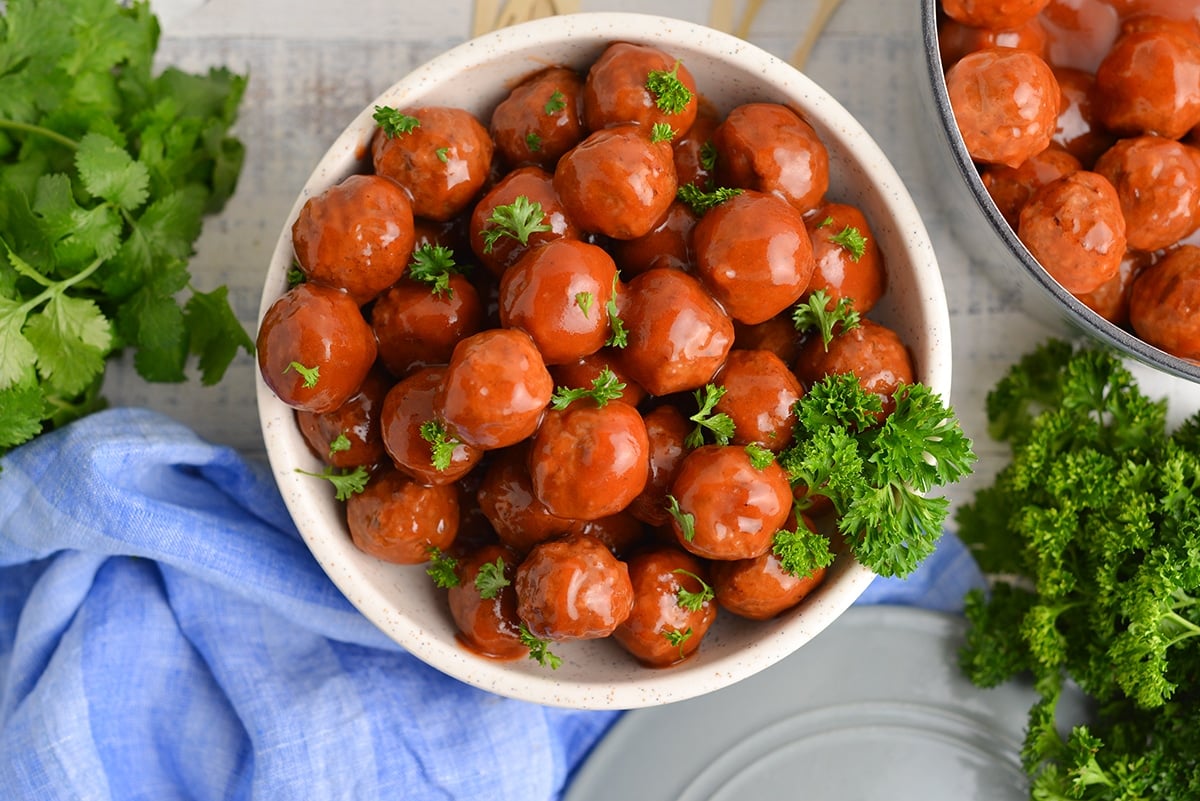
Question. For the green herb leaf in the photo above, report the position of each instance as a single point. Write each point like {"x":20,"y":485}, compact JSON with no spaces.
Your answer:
{"x":801,"y":552}
{"x":815,"y":313}
{"x":605,"y":387}
{"x":443,"y":154}
{"x":539,"y":650}
{"x":618,"y":336}
{"x":533,"y":141}
{"x":677,"y":637}
{"x":441,"y":444}
{"x":584,"y":301}
{"x":433,"y":265}
{"x":670,"y":93}
{"x":708,"y":155}
{"x":394,"y":123}
{"x":345,"y":483}
{"x":556,"y":103}
{"x":760,"y":457}
{"x":852,"y":240}
{"x":693,"y":601}
{"x":491,"y":579}
{"x":339,"y":444}
{"x":310,"y":375}
{"x":443,"y":569}
{"x":719,"y":423}
{"x":686,"y":520}
{"x":517,"y":220}
{"x":661,"y":132}
{"x":702,"y":201}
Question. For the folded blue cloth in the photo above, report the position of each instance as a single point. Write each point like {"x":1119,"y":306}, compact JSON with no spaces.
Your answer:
{"x":165,"y":634}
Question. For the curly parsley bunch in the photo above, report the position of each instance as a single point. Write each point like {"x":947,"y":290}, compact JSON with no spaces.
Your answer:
{"x":106,"y":171}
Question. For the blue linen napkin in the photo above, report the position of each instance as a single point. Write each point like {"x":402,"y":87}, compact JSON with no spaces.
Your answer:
{"x":165,"y":634}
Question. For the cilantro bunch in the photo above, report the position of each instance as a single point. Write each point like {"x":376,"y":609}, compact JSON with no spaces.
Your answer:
{"x":106,"y":171}
{"x":1095,"y":527}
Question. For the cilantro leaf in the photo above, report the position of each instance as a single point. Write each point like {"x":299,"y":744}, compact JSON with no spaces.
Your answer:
{"x":109,"y":172}
{"x":214,"y":334}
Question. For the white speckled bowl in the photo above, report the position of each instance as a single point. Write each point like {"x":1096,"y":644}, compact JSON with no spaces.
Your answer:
{"x":401,"y":600}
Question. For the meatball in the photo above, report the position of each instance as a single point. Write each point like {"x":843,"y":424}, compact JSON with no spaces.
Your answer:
{"x":1074,"y":227}
{"x":695,"y":153}
{"x":672,"y":607}
{"x":442,"y":159}
{"x":559,"y":294}
{"x":357,"y":236}
{"x":666,"y":432}
{"x":617,"y":182}
{"x":956,"y":40}
{"x":622,"y":533}
{"x":314,"y":348}
{"x":1110,"y":300}
{"x":523,"y":191}
{"x":769,"y":148}
{"x":417,"y":326}
{"x":754,"y":255}
{"x":1079,"y":130}
{"x":1164,"y":305}
{"x":589,"y":461}
{"x":573,"y":588}
{"x":667,"y":244}
{"x":485,"y":610}
{"x":847,"y":260}
{"x":1011,"y":187}
{"x":349,"y":435}
{"x":724,"y":506}
{"x":778,"y":335}
{"x":582,"y":372}
{"x":415,"y":438}
{"x":1158,"y":183}
{"x":759,"y":393}
{"x":1006,"y":104}
{"x":761,"y":588}
{"x":507,"y":500}
{"x":1147,"y":83}
{"x":993,"y":13}
{"x":632,"y":83}
{"x":677,"y":335}
{"x":872,"y":352}
{"x":400,"y":520}
{"x":496,"y":389}
{"x":541,"y":119}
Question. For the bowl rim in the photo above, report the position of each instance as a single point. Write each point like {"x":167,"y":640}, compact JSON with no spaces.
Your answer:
{"x":1067,"y":304}
{"x":649,"y":687}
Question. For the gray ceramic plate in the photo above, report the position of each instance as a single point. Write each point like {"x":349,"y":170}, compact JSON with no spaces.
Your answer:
{"x":874,"y":707}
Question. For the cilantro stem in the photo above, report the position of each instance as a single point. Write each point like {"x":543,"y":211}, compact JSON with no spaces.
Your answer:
{"x":58,"y":286}
{"x":26,"y":127}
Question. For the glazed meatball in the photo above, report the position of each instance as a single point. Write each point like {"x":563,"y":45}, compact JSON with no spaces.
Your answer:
{"x":778,"y":335}
{"x":1011,"y":187}
{"x":1158,"y":183}
{"x":872,"y":352}
{"x":667,"y":244}
{"x":769,"y":148}
{"x":442,"y":159}
{"x":588,"y":460}
{"x":621,"y":533}
{"x":759,"y":393}
{"x":666,"y":432}
{"x":695,"y":153}
{"x":357,"y":236}
{"x":631,"y":83}
{"x":349,"y":435}
{"x":672,"y":607}
{"x":1079,"y":130}
{"x":559,"y":294}
{"x":507,"y":500}
{"x":993,"y":13}
{"x":1006,"y":104}
{"x":407,"y":414}
{"x":956,"y":40}
{"x":754,"y":255}
{"x":1147,"y":84}
{"x":847,"y":260}
{"x":725,"y":506}
{"x":1075,"y":229}
{"x":583,"y":372}
{"x":1111,"y":299}
{"x":761,"y":588}
{"x":573,"y":588}
{"x":485,"y":610}
{"x":519,"y":195}
{"x":417,"y":326}
{"x":400,"y":520}
{"x":677,"y":335}
{"x":314,"y":348}
{"x":617,"y":182}
{"x":541,"y":118}
{"x":495,"y":390}
{"x":1164,"y":305}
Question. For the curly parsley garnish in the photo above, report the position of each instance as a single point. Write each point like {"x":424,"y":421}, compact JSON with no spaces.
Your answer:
{"x":433,"y":265}
{"x":443,"y":154}
{"x":815,"y":313}
{"x":852,"y":240}
{"x":661,"y":132}
{"x":345,"y":483}
{"x":339,"y":444}
{"x":670,"y":95}
{"x":584,"y":301}
{"x":719,"y":423}
{"x":760,"y":457}
{"x":309,"y":375}
{"x":393,"y":123}
{"x":539,"y":649}
{"x":693,"y":601}
{"x":877,"y":474}
{"x":801,"y":552}
{"x":708,"y":155}
{"x":555,"y":104}
{"x":686,"y":520}
{"x":441,"y":444}
{"x":678,"y":638}
{"x":443,"y":568}
{"x":491,"y":579}
{"x":702,"y":201}
{"x":518,"y":220}
{"x":605,"y":387}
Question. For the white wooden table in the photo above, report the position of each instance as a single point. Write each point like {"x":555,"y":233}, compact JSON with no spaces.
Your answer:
{"x":313,"y":65}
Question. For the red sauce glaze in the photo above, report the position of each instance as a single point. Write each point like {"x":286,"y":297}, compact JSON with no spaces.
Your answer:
{"x":695,"y":151}
{"x":1111,"y":299}
{"x":573,"y":588}
{"x":678,"y":336}
{"x":873,"y":352}
{"x":507,"y":500}
{"x":349,"y":435}
{"x":443,"y":162}
{"x":487,"y":626}
{"x":769,"y":148}
{"x":1147,"y":84}
{"x":589,"y":461}
{"x":399,"y":520}
{"x":416,"y":326}
{"x":622,"y":533}
{"x":356,"y":236}
{"x":842,"y":270}
{"x":535,"y":185}
{"x":541,"y":119}
{"x":955,"y":40}
{"x":1011,"y":187}
{"x":1164,"y":305}
{"x":666,"y":430}
{"x":1079,"y":130}
{"x":993,"y":13}
{"x":667,"y":244}
{"x":616,"y":90}
{"x":759,"y":393}
{"x":1158,"y":183}
{"x":408,"y":405}
{"x":662,"y":630}
{"x":754,"y":255}
{"x":760,"y":588}
{"x":735,"y":507}
{"x":314,"y":327}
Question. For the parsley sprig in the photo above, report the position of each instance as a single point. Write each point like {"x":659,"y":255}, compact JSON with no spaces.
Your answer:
{"x":703,"y":200}
{"x":107,"y":171}
{"x":518,"y":220}
{"x":877,"y":474}
{"x":539,"y":649}
{"x":618,"y":335}
{"x":670,"y":93}
{"x":815,"y":313}
{"x":443,"y":568}
{"x":719,"y":423}
{"x":441,"y":444}
{"x":693,"y":601}
{"x":345,"y":482}
{"x":491,"y":579}
{"x":434,"y":265}
{"x":394,"y":122}
{"x":802,"y":551}
{"x":605,"y":387}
